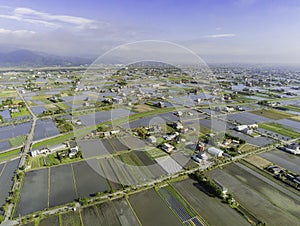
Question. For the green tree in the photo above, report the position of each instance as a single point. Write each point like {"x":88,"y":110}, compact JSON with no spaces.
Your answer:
{"x":142,"y":132}
{"x":83,"y":201}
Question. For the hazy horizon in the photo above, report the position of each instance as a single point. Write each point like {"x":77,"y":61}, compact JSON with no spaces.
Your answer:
{"x":232,"y":31}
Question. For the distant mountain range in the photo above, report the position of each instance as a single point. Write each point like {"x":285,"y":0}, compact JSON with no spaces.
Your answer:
{"x":27,"y":58}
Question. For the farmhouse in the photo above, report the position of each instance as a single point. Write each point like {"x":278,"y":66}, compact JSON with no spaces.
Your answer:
{"x":247,"y":129}
{"x":167,"y":147}
{"x":73,"y":148}
{"x":202,"y":155}
{"x":177,"y":125}
{"x":151,"y":139}
{"x":171,"y":136}
{"x":244,"y":127}
{"x":160,"y":104}
{"x":154,"y":129}
{"x":39,"y":152}
{"x":196,"y":158}
{"x":14,"y":110}
{"x":229,"y":109}
{"x":57,"y":147}
{"x":241,"y":127}
{"x":293,"y":148}
{"x":178,"y":113}
{"x":215,"y":151}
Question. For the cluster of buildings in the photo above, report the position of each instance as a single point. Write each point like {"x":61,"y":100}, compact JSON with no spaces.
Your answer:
{"x":202,"y":156}
{"x":282,"y":174}
{"x":155,"y":130}
{"x":105,"y":133}
{"x":71,"y":148}
{"x":247,"y":129}
{"x":292,"y":148}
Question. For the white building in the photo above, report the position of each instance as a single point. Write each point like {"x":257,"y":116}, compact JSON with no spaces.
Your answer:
{"x":35,"y":153}
{"x":167,"y":147}
{"x":196,"y":158}
{"x":293,"y":149}
{"x":73,"y":151}
{"x":241,"y":127}
{"x":202,"y":155}
{"x":247,"y":129}
{"x":229,"y":109}
{"x":215,"y":151}
{"x":58,"y":147}
{"x":178,"y":113}
{"x":253,"y":126}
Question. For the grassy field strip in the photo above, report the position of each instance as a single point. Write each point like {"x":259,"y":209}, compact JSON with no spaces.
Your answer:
{"x":278,"y":128}
{"x":129,"y":166}
{"x":74,"y":180}
{"x":63,"y":106}
{"x":138,"y":162}
{"x":71,"y":218}
{"x":112,"y":145}
{"x":292,"y":108}
{"x":60,"y":220}
{"x":127,"y":171}
{"x":17,"y":141}
{"x":23,"y":112}
{"x":136,"y":175}
{"x":272,"y":114}
{"x":247,"y":147}
{"x":10,"y":155}
{"x":123,"y":176}
{"x":35,"y":163}
{"x":110,"y":175}
{"x":54,"y":140}
{"x":133,"y":211}
{"x":81,"y":221}
{"x":119,"y":174}
{"x":143,"y":168}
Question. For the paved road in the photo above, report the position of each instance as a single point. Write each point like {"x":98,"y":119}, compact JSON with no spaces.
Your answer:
{"x":26,"y":147}
{"x":31,"y":134}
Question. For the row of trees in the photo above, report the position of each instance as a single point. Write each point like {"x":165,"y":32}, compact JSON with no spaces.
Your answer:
{"x":208,"y":184}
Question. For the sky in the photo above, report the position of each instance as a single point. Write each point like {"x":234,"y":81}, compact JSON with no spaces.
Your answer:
{"x":221,"y":31}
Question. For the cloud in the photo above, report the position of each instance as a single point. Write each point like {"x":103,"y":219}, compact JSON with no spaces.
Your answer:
{"x":79,"y":22}
{"x":51,"y":20}
{"x":220,"y":36}
{"x":19,"y":33}
{"x":27,"y":20}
